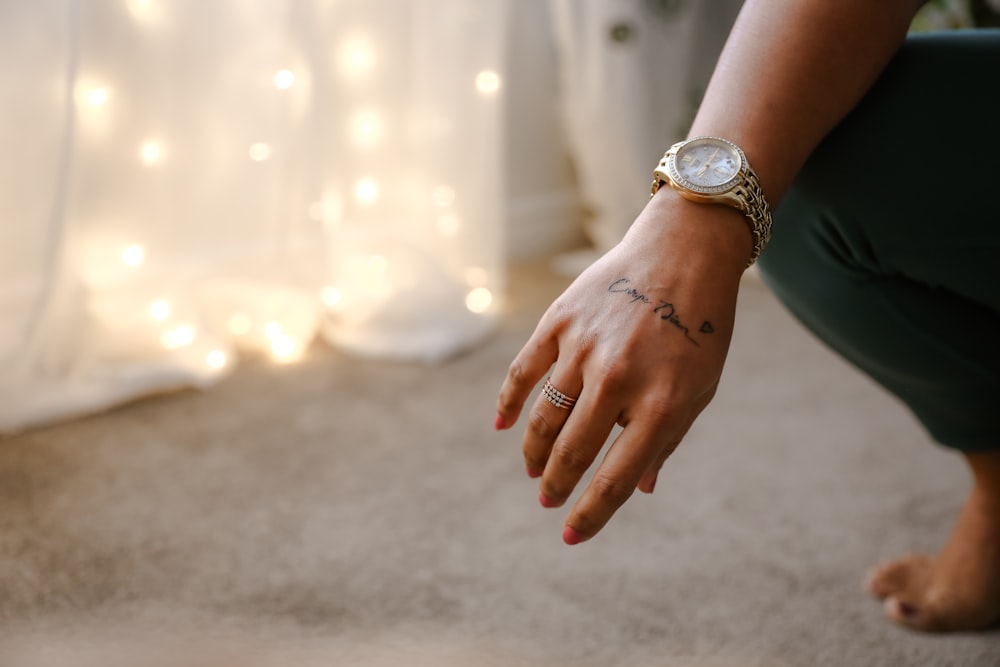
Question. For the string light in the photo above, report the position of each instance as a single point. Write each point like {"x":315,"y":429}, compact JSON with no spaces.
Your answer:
{"x":260,"y":151}
{"x":216,"y":359}
{"x":488,"y":82}
{"x":96,"y":97}
{"x":357,"y":56}
{"x":283,"y":347}
{"x":142,"y":9}
{"x":159,"y":310}
{"x":366,"y":191}
{"x":133,"y":255}
{"x":284,"y":79}
{"x":178,"y":337}
{"x":331,"y":296}
{"x":366,"y":128}
{"x":479,"y":300}
{"x":151,"y":153}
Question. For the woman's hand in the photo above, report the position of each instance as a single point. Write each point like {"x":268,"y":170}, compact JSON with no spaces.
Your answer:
{"x":640,"y":338}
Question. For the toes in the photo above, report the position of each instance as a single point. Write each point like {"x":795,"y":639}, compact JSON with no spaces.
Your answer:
{"x":908,"y":614}
{"x":898,"y":577}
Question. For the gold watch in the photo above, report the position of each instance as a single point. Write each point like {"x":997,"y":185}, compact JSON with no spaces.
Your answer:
{"x":710,"y":170}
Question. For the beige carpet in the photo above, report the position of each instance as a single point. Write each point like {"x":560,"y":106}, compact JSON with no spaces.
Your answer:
{"x":343,"y":512}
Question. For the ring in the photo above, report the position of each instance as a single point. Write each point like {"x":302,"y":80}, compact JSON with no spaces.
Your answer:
{"x":556,"y":397}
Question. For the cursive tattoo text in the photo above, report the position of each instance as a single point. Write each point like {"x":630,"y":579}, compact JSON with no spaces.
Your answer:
{"x":665,"y":310}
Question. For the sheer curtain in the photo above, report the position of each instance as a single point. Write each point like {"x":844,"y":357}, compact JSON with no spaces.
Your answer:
{"x":187,"y":182}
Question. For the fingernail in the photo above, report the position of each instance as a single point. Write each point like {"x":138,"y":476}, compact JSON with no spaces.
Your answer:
{"x":570,"y":536}
{"x":546,"y":501}
{"x":533,"y":473}
{"x":499,"y":423}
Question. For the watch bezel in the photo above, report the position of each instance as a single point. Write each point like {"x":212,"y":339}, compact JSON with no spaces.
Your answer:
{"x":708,"y":190}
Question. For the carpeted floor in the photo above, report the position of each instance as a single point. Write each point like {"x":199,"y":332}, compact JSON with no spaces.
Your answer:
{"x":344,"y":512}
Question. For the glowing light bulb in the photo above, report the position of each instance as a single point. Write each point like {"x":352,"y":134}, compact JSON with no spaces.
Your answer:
{"x":331,"y":296}
{"x":151,"y":153}
{"x":479,"y":300}
{"x":448,"y":224}
{"x":260,"y":151}
{"x":159,"y":310}
{"x":366,"y":191}
{"x":283,"y":347}
{"x":284,"y":79}
{"x":216,"y":359}
{"x":133,"y":255}
{"x":96,"y":97}
{"x":356,"y":56}
{"x":366,"y":128}
{"x":141,"y":9}
{"x":239,"y":324}
{"x":178,"y":337}
{"x":443,"y":196}
{"x":488,"y":82}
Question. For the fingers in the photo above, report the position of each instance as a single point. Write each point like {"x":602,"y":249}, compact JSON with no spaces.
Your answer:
{"x":528,"y":367}
{"x":546,"y":420}
{"x":629,"y":459}
{"x":567,"y":454}
{"x":634,"y":458}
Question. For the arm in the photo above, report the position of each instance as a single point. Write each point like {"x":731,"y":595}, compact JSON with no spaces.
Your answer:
{"x":791,"y":69}
{"x":641,"y":336}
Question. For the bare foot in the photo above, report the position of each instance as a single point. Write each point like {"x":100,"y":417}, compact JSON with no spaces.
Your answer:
{"x":960,"y":588}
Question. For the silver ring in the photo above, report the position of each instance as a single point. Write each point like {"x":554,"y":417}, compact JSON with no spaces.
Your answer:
{"x":556,"y":397}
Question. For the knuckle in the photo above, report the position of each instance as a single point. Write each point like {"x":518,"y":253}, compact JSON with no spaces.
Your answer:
{"x":516,"y":373}
{"x":541,"y":426}
{"x":665,"y":408}
{"x":570,"y":459}
{"x":611,"y":491}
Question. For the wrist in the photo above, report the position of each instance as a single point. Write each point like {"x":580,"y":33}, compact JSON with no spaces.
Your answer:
{"x":681,"y":231}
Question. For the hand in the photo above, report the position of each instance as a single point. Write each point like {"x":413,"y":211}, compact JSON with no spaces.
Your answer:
{"x":640,"y":338}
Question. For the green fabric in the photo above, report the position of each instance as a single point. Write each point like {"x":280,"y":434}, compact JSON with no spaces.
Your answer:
{"x":888,"y":245}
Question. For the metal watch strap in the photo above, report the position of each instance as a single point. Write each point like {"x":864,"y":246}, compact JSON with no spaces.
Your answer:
{"x":752,"y":204}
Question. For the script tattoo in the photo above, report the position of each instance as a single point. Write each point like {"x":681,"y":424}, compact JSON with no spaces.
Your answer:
{"x":665,"y":310}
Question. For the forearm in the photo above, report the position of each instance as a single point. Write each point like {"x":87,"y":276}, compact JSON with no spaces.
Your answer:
{"x":791,"y":70}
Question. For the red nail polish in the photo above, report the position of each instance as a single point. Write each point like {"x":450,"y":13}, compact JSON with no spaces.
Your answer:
{"x":533,"y":473}
{"x":545,"y":501}
{"x":570,"y":536}
{"x":499,"y":423}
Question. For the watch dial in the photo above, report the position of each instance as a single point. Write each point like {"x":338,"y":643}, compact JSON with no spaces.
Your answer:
{"x":707,"y":164}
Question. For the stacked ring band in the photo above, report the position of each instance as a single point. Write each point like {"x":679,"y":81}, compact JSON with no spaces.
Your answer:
{"x":556,"y":397}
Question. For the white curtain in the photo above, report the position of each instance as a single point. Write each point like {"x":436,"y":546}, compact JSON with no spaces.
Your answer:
{"x":187,"y":181}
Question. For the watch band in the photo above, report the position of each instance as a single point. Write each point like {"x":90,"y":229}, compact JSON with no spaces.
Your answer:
{"x":746,"y":195}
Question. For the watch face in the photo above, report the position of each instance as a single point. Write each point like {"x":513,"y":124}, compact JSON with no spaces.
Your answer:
{"x":707,"y":165}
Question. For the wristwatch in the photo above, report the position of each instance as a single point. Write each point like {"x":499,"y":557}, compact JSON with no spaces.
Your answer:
{"x":711,"y":170}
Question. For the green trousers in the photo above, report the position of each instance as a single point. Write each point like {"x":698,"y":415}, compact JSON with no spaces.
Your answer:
{"x":888,"y":245}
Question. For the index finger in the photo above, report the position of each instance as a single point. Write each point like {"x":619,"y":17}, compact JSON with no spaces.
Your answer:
{"x":528,"y":367}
